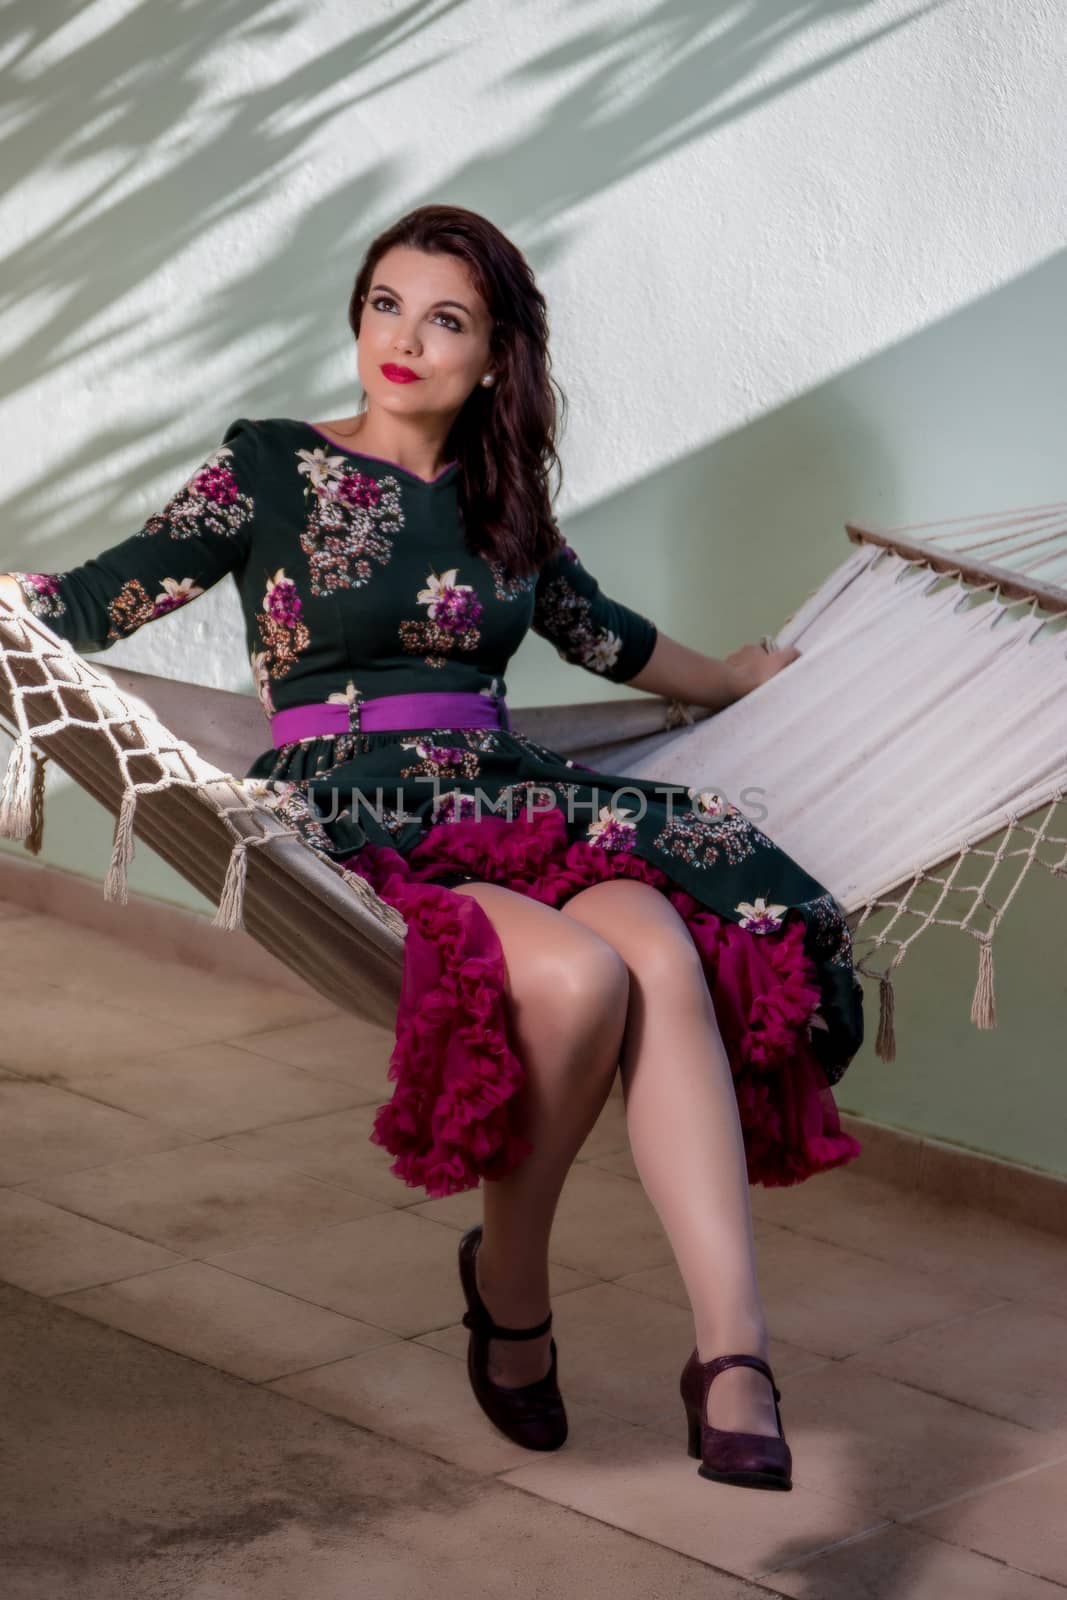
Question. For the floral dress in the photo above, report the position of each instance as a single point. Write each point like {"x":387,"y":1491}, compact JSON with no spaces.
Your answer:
{"x":356,"y":581}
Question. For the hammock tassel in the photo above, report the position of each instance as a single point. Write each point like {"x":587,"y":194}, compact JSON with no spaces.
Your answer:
{"x":231,"y":902}
{"x":885,"y":1045}
{"x":115,"y":886}
{"x":16,"y":800}
{"x":983,"y":1006}
{"x":35,"y":837}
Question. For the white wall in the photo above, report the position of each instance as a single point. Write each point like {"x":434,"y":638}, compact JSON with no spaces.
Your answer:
{"x":804,"y":263}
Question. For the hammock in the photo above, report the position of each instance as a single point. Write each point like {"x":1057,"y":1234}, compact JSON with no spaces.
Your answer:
{"x":921,"y":720}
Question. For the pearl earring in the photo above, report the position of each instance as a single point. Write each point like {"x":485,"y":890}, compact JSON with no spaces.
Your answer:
{"x":487,"y":380}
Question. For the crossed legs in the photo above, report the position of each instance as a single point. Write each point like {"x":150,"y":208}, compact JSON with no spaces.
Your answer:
{"x":614,"y":980}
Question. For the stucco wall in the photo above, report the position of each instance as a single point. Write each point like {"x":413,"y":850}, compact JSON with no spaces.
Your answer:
{"x":804,"y":263}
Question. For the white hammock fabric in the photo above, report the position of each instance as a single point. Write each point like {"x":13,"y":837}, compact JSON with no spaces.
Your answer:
{"x":913,"y":726}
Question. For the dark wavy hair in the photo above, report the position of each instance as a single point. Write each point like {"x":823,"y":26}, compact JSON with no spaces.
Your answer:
{"x":505,"y":436}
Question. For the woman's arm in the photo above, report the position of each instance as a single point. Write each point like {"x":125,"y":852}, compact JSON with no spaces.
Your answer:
{"x":202,"y":533}
{"x":676,"y":672}
{"x":589,"y":628}
{"x":592,"y":630}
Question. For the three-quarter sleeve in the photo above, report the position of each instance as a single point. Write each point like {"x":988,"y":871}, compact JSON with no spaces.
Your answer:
{"x":587,"y":627}
{"x":202,"y":533}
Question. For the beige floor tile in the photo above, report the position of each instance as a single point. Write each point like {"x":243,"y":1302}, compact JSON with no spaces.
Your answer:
{"x":829,"y":1300}
{"x":960,"y":1244}
{"x":133,"y":1472}
{"x":634,"y":1378}
{"x":410,"y":1392}
{"x":640,"y":1383}
{"x":230,"y":1323}
{"x":1021,"y":1523}
{"x":45,"y":1130}
{"x":393,"y":1270}
{"x":201,"y":1198}
{"x":54,"y":1037}
{"x":608,"y":1134}
{"x":12,"y":1300}
{"x":84,"y":963}
{"x":619,"y":1161}
{"x":458,"y":1211}
{"x":1010,"y":1361}
{"x":50,"y":1251}
{"x":902,"y":1564}
{"x":639,"y":1481}
{"x":603,"y":1225}
{"x":891,"y":1449}
{"x":622,"y":1164}
{"x":336,"y":1148}
{"x":212,"y":1089}
{"x":9,"y":909}
{"x":343,"y":1047}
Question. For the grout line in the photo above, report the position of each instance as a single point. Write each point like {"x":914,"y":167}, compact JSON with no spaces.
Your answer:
{"x":983,"y":1488}
{"x":827,"y":1549}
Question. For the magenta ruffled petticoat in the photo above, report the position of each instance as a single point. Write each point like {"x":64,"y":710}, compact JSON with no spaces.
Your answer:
{"x":449,"y":1122}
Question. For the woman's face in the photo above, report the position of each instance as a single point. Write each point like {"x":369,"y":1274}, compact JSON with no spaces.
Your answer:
{"x":423,"y":313}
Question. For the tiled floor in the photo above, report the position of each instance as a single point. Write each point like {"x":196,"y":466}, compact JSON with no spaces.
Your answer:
{"x":236,"y":1365}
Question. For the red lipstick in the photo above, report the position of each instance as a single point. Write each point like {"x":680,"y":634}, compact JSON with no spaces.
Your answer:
{"x":399,"y":374}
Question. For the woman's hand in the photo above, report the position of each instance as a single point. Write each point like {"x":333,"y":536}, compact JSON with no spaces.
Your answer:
{"x":753,"y":664}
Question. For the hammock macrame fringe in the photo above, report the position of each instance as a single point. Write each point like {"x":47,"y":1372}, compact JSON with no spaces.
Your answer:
{"x":206,"y":808}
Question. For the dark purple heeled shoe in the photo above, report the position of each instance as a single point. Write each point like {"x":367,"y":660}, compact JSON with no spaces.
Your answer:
{"x":751,"y":1460}
{"x":531,"y":1414}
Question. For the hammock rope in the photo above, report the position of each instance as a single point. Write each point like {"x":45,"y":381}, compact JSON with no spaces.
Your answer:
{"x":221,"y":831}
{"x":1013,"y":535}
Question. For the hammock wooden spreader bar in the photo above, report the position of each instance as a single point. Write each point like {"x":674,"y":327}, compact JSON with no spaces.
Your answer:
{"x":916,"y":754}
{"x":909,"y":733}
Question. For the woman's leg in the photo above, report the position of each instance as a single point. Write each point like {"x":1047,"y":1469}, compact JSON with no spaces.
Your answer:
{"x":566,"y":1002}
{"x":685,"y":1134}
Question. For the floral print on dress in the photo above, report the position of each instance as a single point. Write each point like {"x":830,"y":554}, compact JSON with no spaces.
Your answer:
{"x":440,"y":760}
{"x":759,"y":917}
{"x":833,"y":933}
{"x":290,"y":804}
{"x":211,"y":502}
{"x":132,"y":606}
{"x":281,"y":625}
{"x":454,"y":609}
{"x":351,"y":520}
{"x":698,"y":839}
{"x":506,"y":586}
{"x":485,"y":740}
{"x":454,"y":806}
{"x":395,"y":822}
{"x":612,"y":831}
{"x":709,"y":803}
{"x":41,"y":593}
{"x":566,"y":616}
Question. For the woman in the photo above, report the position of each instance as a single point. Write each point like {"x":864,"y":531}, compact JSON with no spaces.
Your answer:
{"x":389,"y":564}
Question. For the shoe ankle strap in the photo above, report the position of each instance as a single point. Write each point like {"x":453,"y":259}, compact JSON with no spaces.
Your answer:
{"x":720,"y":1363}
{"x":486,"y":1325}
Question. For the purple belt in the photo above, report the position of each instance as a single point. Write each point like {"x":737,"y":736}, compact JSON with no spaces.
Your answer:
{"x":435,"y":709}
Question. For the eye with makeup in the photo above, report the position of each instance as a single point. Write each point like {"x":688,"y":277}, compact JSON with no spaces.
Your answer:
{"x":457,"y":327}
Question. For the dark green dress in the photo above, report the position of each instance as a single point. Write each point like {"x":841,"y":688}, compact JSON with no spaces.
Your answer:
{"x":356,"y":582}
